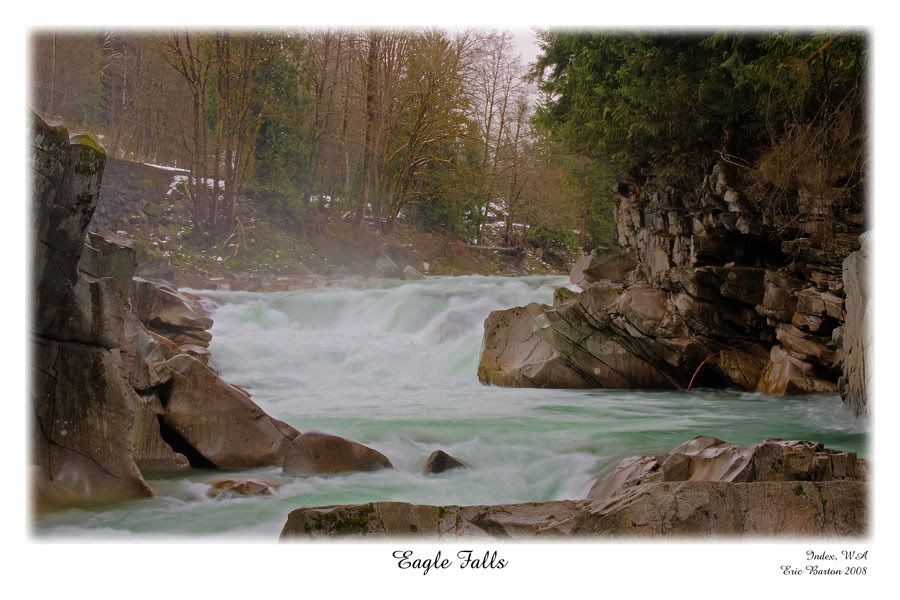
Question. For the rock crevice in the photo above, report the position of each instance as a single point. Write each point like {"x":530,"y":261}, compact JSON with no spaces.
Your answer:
{"x":707,"y":288}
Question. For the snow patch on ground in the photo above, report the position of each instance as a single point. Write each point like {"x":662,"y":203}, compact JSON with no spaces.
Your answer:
{"x":167,"y":168}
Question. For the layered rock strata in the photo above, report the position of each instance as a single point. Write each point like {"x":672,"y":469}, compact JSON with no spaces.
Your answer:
{"x":706,"y":289}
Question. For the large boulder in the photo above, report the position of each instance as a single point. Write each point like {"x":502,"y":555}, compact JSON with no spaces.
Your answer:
{"x":152,"y":454}
{"x":688,"y":508}
{"x":716,"y":508}
{"x":387,"y":268}
{"x":856,"y":340}
{"x":787,"y":374}
{"x":218,"y":421}
{"x":610,"y":265}
{"x":410,"y":273}
{"x":517,"y":352}
{"x":707,"y":458}
{"x":167,"y":311}
{"x":316,"y":453}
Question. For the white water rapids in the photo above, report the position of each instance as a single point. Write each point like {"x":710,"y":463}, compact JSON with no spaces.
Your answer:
{"x":393,"y":366}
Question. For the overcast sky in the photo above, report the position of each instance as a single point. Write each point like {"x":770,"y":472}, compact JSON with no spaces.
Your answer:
{"x":526,"y":43}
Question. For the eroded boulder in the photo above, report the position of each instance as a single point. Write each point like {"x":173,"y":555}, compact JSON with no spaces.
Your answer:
{"x":387,"y":268}
{"x":410,"y":273}
{"x":707,"y":458}
{"x":516,"y":352}
{"x":167,"y":311}
{"x":439,"y":461}
{"x":605,"y":265}
{"x":219,"y":421}
{"x":316,"y":453}
{"x":151,"y":453}
{"x":232,"y":488}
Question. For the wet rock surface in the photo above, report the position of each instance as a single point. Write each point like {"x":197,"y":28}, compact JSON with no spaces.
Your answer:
{"x":439,"y":461}
{"x":706,"y":289}
{"x":232,"y":488}
{"x":121,"y":382}
{"x":704,"y":487}
{"x":689,"y":508}
{"x":707,"y":458}
{"x":317,"y":453}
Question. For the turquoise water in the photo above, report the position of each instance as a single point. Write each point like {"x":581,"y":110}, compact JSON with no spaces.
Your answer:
{"x":393,"y":366}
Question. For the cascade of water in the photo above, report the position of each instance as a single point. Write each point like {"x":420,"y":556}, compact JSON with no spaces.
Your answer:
{"x":394,"y":366}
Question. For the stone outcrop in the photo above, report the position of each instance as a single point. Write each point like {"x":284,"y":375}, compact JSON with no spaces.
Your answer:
{"x":439,"y":461}
{"x":708,"y":288}
{"x":410,"y":273}
{"x":688,"y":508}
{"x":854,"y":334}
{"x":316,"y":453}
{"x":709,"y":459}
{"x":704,"y":487}
{"x":220,"y":422}
{"x":116,"y":390}
{"x":232,"y":488}
{"x":82,"y":403}
{"x":603,"y":265}
{"x":386,"y":268}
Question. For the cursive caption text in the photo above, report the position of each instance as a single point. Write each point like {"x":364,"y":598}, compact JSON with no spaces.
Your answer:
{"x":841,"y":562}
{"x":465,"y":559}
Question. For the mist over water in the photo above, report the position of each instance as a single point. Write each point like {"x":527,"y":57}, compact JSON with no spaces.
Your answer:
{"x":393,"y":366}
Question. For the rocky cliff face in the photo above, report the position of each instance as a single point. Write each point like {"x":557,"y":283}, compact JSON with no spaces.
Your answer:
{"x":120,"y":386}
{"x":708,"y":288}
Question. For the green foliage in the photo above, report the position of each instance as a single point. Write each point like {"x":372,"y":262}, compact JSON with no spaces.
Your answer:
{"x":657,"y":105}
{"x":283,"y":148}
{"x":448,"y":199}
{"x":558,"y":241}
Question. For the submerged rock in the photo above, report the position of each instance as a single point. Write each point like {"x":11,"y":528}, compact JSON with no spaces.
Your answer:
{"x":316,"y":453}
{"x":704,"y":487}
{"x":439,"y":461}
{"x":230,"y":488}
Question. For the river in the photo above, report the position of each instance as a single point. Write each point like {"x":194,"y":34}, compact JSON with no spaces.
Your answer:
{"x":393,"y":366}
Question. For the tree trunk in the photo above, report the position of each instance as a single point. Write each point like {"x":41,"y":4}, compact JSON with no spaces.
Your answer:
{"x":370,"y":126}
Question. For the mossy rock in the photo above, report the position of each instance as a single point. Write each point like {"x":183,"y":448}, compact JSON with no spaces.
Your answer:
{"x":563,"y":295}
{"x":83,"y":139}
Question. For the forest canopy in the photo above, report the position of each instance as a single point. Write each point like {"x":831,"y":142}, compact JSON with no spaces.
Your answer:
{"x":651,"y":104}
{"x":449,"y":131}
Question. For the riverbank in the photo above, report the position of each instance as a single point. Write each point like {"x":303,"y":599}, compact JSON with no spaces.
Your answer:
{"x":393,"y":367}
{"x":147,"y":203}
